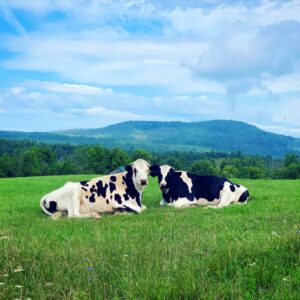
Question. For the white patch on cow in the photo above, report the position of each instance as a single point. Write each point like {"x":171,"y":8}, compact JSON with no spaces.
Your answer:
{"x":204,"y":202}
{"x":140,"y":169}
{"x":181,"y":203}
{"x":187,"y":180}
{"x":165,"y":169}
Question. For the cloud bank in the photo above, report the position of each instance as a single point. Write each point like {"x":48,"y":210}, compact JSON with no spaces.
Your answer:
{"x":103,"y":62}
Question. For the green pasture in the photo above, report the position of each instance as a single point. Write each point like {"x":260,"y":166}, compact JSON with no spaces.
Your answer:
{"x":240,"y":252}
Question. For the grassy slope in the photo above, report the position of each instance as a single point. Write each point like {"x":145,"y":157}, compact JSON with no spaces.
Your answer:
{"x":240,"y":252}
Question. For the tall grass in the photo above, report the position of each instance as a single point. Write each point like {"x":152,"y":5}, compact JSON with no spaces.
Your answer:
{"x":239,"y":252}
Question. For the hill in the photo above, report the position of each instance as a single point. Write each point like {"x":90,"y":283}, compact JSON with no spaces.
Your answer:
{"x":218,"y":135}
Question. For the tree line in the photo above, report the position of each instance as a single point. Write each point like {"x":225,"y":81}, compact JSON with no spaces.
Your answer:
{"x":26,"y":158}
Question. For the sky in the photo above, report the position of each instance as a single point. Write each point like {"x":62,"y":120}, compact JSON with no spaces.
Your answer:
{"x":87,"y":64}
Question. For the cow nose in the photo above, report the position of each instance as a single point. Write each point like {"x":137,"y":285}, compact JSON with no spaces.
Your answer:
{"x":143,"y":182}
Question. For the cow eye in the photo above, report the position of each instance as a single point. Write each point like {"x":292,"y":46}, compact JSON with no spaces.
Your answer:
{"x":134,"y":170}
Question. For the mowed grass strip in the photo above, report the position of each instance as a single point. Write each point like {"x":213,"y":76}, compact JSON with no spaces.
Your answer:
{"x":240,"y":252}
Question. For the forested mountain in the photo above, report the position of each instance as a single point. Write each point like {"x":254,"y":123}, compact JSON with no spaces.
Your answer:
{"x":219,"y":135}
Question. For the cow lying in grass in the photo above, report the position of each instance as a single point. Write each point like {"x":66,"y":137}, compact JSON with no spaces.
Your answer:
{"x":112,"y":193}
{"x":181,"y":189}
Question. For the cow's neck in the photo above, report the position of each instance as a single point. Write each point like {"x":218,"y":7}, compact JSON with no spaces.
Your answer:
{"x":131,"y":189}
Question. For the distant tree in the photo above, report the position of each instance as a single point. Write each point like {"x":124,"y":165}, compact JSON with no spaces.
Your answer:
{"x":292,"y":171}
{"x":7,"y":165}
{"x":175,"y":162}
{"x":67,"y":167}
{"x":118,"y":158}
{"x":290,"y":159}
{"x":46,"y":159}
{"x":30,"y":163}
{"x":230,"y":171}
{"x":80,"y":159}
{"x":252,"y":172}
{"x":204,"y":167}
{"x":96,"y":160}
{"x":139,"y":153}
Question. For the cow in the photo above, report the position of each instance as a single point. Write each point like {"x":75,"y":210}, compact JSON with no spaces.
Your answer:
{"x":181,"y":189}
{"x":116,"y":193}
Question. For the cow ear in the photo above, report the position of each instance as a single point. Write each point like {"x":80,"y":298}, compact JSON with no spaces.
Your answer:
{"x":154,"y":170}
{"x":128,"y":169}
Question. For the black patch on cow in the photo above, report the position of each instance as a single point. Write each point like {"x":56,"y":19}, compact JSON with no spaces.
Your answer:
{"x":207,"y":187}
{"x":126,"y":197}
{"x":92,"y":198}
{"x":83,"y":188}
{"x":130,"y":188}
{"x":237,"y":185}
{"x":101,"y":189}
{"x":112,"y":187}
{"x":52,"y":207}
{"x":113,"y":178}
{"x":84,"y":183}
{"x":93,"y":189}
{"x":244,"y":197}
{"x":128,"y":209}
{"x":166,"y":196}
{"x":118,"y":198}
{"x":232,"y":187}
{"x":107,"y":201}
{"x":155,"y":171}
{"x":125,"y":209}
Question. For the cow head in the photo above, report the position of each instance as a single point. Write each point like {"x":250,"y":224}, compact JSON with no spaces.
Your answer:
{"x":163,"y":173}
{"x":139,"y":170}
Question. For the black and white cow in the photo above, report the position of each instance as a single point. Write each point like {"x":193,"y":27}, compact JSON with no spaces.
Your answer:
{"x":120,"y":192}
{"x":181,"y":189}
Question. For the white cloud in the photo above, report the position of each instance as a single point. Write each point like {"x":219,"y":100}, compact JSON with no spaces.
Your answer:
{"x":96,"y":61}
{"x":283,"y":84}
{"x":57,"y":87}
{"x":175,"y":60}
{"x":11,"y":19}
{"x":285,"y":129}
{"x":101,"y":111}
{"x":288,"y":111}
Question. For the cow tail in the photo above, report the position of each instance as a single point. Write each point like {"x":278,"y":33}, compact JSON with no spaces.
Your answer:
{"x":44,"y":209}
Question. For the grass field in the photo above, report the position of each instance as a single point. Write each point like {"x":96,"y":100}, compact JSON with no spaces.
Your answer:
{"x":239,"y":252}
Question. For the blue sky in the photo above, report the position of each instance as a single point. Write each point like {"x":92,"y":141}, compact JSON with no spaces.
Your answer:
{"x":86,"y":63}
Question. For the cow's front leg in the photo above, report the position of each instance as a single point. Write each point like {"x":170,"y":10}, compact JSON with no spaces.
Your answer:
{"x":128,"y":208}
{"x":162,"y":202}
